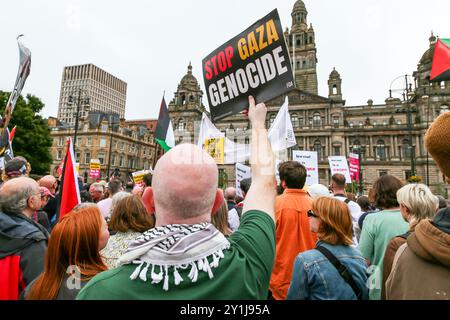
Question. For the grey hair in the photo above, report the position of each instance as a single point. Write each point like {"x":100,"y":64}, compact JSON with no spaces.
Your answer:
{"x":419,"y":199}
{"x":84,"y":205}
{"x":97,"y":187}
{"x":116,"y":199}
{"x":16,"y":202}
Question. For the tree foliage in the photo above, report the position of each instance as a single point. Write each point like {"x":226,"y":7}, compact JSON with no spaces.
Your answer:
{"x":32,"y":138}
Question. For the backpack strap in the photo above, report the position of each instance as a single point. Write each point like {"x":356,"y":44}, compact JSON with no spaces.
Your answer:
{"x":343,"y":271}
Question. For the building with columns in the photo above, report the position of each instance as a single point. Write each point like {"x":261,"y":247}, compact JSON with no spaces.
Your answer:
{"x":390,"y":136}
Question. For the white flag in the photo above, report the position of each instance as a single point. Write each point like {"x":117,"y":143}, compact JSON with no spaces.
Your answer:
{"x":281,"y":132}
{"x":281,"y":136}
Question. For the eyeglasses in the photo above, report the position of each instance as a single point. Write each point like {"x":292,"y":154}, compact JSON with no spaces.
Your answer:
{"x":311,"y":214}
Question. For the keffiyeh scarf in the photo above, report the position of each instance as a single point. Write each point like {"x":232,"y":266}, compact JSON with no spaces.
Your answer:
{"x":176,"y":246}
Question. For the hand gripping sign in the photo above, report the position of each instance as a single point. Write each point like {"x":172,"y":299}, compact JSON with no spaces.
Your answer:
{"x":255,"y":62}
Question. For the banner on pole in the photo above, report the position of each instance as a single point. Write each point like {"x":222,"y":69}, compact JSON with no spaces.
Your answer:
{"x":242,"y":172}
{"x":256,"y":62}
{"x":353,"y":160}
{"x":309,"y":160}
{"x":338,"y":164}
{"x":138,"y":176}
{"x":94,"y":168}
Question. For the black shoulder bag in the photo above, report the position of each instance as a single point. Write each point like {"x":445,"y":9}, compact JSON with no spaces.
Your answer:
{"x":343,"y":271}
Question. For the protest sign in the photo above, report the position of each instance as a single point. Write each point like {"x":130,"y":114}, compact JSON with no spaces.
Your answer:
{"x":138,"y":176}
{"x":338,"y":164}
{"x":353,"y":160}
{"x":94,"y":168}
{"x":309,"y":160}
{"x":242,"y":172}
{"x":215,"y":147}
{"x":256,"y":62}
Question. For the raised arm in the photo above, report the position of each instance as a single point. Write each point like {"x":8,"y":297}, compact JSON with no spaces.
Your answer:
{"x":261,"y":195}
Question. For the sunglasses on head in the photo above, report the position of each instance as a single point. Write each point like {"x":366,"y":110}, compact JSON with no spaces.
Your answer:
{"x":311,"y":214}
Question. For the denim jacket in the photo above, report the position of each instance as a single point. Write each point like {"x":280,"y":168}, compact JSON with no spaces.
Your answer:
{"x":315,"y":278}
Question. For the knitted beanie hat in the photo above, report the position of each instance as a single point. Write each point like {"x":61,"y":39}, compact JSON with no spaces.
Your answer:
{"x":437,"y":142}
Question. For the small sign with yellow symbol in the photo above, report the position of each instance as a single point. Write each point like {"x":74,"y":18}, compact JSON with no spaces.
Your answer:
{"x":215,"y":147}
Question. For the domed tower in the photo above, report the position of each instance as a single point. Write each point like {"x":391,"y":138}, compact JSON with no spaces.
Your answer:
{"x":422,"y":75}
{"x":186,"y":107}
{"x":188,"y":93}
{"x":302,"y":48}
{"x":334,"y":86}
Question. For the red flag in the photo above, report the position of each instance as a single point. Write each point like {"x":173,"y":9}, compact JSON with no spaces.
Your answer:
{"x":12,"y":133}
{"x":440,"y":68}
{"x":69,"y":193}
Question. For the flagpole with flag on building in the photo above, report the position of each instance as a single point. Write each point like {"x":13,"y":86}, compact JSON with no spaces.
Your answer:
{"x":164,"y":130}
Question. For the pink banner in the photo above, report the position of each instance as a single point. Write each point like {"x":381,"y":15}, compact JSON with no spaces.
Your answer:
{"x":353,"y":161}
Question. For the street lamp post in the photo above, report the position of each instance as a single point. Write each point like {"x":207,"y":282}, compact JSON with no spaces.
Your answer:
{"x":427,"y":98}
{"x":79,"y":100}
{"x":110,"y":147}
{"x":409,"y":94}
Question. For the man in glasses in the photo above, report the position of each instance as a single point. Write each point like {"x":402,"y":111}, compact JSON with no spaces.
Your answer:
{"x":23,"y":242}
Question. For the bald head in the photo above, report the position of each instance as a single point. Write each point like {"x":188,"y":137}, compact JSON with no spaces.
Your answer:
{"x":49,"y":182}
{"x":185,"y":183}
{"x":230,"y":193}
{"x":20,"y":195}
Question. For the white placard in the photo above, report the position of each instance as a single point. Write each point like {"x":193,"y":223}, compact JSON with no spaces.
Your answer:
{"x":309,"y":160}
{"x":339,"y":164}
{"x":242,"y":172}
{"x":2,"y":163}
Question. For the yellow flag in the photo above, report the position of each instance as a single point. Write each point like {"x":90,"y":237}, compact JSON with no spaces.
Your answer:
{"x":215,"y":148}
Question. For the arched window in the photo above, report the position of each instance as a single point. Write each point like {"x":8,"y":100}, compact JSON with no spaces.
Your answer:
{"x":183,"y":99}
{"x":304,"y":64}
{"x":318,"y":149}
{"x":334,"y":89}
{"x":294,"y":119}
{"x":181,"y":126}
{"x":406,"y":149}
{"x":381,"y":150}
{"x":317,"y":120}
{"x":310,"y":39}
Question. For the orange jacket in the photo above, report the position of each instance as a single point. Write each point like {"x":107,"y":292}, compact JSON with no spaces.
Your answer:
{"x":293,"y":235}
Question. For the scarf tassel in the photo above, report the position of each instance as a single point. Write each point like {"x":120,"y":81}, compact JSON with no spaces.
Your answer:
{"x":193,"y":274}
{"x":166,"y":279}
{"x":177,"y":276}
{"x":157,"y":277}
{"x":143,"y":273}
{"x":136,"y":272}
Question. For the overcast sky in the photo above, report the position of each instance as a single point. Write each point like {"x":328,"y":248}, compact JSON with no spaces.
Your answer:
{"x":149,"y":44}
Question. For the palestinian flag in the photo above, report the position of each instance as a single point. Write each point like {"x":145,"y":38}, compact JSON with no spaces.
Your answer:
{"x":440,"y":69}
{"x":69,"y":194}
{"x":164,"y":130}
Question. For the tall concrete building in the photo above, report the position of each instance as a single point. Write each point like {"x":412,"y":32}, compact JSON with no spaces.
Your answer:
{"x":95,"y":90}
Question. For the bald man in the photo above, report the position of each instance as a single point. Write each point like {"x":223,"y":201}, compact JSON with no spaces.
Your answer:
{"x":23,"y":242}
{"x":185,"y":256}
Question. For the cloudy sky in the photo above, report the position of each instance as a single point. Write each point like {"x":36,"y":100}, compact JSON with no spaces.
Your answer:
{"x":149,"y":44}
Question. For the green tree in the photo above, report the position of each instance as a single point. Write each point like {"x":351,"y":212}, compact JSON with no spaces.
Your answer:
{"x":32,"y":139}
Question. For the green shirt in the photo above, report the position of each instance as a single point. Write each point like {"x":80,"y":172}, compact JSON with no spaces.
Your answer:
{"x":243,"y":273}
{"x":378,"y":229}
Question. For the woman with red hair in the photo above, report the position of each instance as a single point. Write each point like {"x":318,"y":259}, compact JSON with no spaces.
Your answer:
{"x":72,"y":257}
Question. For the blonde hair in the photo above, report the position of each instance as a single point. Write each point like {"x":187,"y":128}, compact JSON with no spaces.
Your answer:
{"x":336,"y":225}
{"x":420,"y":201}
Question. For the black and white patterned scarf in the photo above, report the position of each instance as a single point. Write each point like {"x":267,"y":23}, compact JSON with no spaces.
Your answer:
{"x":176,"y":246}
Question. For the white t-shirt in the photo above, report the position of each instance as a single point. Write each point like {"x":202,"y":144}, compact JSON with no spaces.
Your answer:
{"x":105,"y":207}
{"x":356,"y":212}
{"x":233,"y":219}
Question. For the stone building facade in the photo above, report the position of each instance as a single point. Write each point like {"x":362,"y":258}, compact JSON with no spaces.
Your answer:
{"x":130,"y":144}
{"x":390,"y":136}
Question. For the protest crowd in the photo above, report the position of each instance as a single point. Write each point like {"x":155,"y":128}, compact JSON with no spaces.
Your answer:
{"x":180,"y":237}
